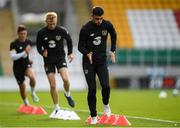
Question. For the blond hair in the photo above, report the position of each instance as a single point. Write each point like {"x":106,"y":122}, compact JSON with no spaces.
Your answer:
{"x":50,"y":16}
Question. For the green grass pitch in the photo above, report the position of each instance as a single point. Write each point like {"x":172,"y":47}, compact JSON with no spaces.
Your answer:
{"x":142,"y":108}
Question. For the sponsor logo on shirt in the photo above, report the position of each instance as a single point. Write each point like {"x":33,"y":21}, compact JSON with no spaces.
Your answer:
{"x":52,"y":44}
{"x":58,"y":37}
{"x":92,"y":34}
{"x":97,"y":40}
{"x":104,"y":32}
{"x":45,"y":38}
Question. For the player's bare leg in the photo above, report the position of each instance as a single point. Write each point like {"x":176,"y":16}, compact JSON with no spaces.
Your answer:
{"x":22,"y":88}
{"x":66,"y":83}
{"x":64,"y":75}
{"x":53,"y":91}
{"x":54,"y":95}
{"x":31,"y":76}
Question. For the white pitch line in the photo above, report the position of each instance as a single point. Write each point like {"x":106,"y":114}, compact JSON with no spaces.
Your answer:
{"x":87,"y":111}
{"x":153,"y":119}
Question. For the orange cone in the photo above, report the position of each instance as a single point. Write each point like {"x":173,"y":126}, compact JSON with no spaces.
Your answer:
{"x":121,"y":121}
{"x":29,"y":109}
{"x":88,"y":120}
{"x":102,"y":119}
{"x":111,"y":119}
{"x":39,"y":111}
{"x":22,"y":108}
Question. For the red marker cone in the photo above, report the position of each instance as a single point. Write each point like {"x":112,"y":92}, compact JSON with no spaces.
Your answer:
{"x":102,"y":119}
{"x":39,"y":111}
{"x":88,"y":120}
{"x":121,"y":121}
{"x":29,"y":109}
{"x":20,"y":109}
{"x":111,"y":119}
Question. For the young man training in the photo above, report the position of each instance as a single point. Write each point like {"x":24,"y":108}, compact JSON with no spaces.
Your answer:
{"x":50,"y":45}
{"x":22,"y":66}
{"x":93,"y":45}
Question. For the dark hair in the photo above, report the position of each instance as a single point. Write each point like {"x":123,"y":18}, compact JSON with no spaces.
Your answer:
{"x":21,"y":28}
{"x":98,"y":11}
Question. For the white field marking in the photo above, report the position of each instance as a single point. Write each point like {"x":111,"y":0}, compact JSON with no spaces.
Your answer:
{"x":87,"y":111}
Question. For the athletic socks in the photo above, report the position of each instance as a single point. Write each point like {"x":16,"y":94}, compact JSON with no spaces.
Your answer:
{"x":34,"y":96}
{"x":56,"y":107}
{"x":32,"y":91}
{"x":67,"y":93}
{"x":26,"y":101}
{"x":107,"y":110}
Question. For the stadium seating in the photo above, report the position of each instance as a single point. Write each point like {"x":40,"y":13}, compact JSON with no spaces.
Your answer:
{"x":148,"y":30}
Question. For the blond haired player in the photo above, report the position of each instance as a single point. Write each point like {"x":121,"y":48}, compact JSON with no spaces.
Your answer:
{"x":50,"y":45}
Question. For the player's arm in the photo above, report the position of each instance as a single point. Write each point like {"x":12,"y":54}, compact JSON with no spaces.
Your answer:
{"x":39,"y":44}
{"x":69,"y":45}
{"x":14,"y":55}
{"x":82,"y":42}
{"x":69,"y":41}
{"x":82,"y":45}
{"x":113,"y":35}
{"x":28,"y":49}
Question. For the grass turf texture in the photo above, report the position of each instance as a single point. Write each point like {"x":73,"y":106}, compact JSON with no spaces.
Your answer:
{"x":131,"y":103}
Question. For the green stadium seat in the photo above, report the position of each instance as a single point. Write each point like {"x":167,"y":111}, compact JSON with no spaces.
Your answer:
{"x":148,"y":55}
{"x":162,"y":57}
{"x":121,"y":56}
{"x":175,"y":57}
{"x":135,"y":56}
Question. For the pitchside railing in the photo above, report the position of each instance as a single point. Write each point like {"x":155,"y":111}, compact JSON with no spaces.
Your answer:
{"x":148,"y":57}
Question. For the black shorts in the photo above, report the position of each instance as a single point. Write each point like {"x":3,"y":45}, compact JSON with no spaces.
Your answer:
{"x":51,"y":67}
{"x":19,"y":73}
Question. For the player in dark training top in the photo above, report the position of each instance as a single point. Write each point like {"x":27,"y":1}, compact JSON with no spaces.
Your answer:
{"x":22,"y":66}
{"x":93,"y":45}
{"x":50,"y":46}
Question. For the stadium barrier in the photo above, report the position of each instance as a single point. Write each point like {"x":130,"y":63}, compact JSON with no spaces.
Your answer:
{"x":1,"y":69}
{"x":145,"y":82}
{"x":148,"y":57}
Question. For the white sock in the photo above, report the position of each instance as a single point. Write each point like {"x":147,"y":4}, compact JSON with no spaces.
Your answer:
{"x":106,"y":106}
{"x":67,"y":93}
{"x":32,"y":90}
{"x":26,"y":101}
{"x":56,"y":106}
{"x":107,"y":110}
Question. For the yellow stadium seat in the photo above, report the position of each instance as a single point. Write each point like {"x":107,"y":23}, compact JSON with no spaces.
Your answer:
{"x":115,"y":11}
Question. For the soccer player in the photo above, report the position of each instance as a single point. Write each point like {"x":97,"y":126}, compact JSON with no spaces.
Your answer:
{"x":22,"y":66}
{"x":93,"y":44}
{"x":50,"y":45}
